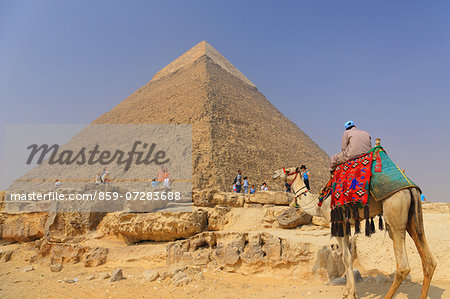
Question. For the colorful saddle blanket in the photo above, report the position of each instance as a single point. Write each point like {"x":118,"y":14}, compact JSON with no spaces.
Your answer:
{"x":351,"y":182}
{"x":387,"y":177}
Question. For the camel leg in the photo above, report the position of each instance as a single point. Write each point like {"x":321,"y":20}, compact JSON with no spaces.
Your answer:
{"x":395,"y":212}
{"x":416,"y":231}
{"x":350,"y":289}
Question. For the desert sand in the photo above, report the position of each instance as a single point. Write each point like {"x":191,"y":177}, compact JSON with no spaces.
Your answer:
{"x":375,"y":261}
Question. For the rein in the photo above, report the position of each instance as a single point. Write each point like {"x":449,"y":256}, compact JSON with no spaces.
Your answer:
{"x":290,"y":184}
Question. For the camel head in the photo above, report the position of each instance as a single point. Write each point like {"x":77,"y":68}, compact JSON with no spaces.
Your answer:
{"x":281,"y":173}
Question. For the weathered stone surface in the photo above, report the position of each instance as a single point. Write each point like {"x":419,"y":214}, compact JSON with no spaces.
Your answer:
{"x":56,"y":267}
{"x":103,"y":275}
{"x":24,"y":227}
{"x":270,"y":197}
{"x":231,"y":250}
{"x":211,"y":198}
{"x":150,"y":275}
{"x":3,"y":217}
{"x":243,"y":219}
{"x":293,"y":217}
{"x":59,"y":253}
{"x":5,"y":255}
{"x":153,"y":226}
{"x":330,"y":259}
{"x":64,"y":226}
{"x":2,"y":202}
{"x":180,"y":279}
{"x":357,"y":275}
{"x":90,"y":277}
{"x":96,"y":256}
{"x":217,"y":217}
{"x":229,"y":199}
{"x":27,"y":268}
{"x":178,"y":276}
{"x":116,"y":275}
{"x":319,"y":221}
{"x":175,"y":269}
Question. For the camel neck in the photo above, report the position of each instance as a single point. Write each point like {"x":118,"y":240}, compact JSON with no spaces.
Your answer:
{"x":307,"y":201}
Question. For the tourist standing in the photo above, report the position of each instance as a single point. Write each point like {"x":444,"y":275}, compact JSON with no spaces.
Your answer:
{"x":245,"y":185}
{"x":238,"y":181}
{"x":166,"y":182}
{"x":105,"y":176}
{"x":305,"y":176}
{"x":97,"y":178}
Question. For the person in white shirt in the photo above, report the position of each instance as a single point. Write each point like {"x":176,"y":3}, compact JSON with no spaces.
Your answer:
{"x":264,"y":187}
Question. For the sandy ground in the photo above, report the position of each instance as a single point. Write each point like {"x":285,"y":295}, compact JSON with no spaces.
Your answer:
{"x":375,"y":256}
{"x":42,"y":283}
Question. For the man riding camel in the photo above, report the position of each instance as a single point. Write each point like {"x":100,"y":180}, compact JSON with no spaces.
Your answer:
{"x":355,"y":142}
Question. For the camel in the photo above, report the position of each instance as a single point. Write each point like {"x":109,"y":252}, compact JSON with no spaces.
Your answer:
{"x":402,"y":212}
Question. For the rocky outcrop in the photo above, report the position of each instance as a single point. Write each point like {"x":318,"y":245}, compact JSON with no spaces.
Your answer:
{"x":23,"y":227}
{"x":211,"y":198}
{"x":116,"y":275}
{"x":5,"y":255}
{"x":229,"y":199}
{"x":66,"y":253}
{"x":233,"y":250}
{"x":218,"y":217}
{"x":64,"y":226}
{"x":258,"y":217}
{"x":2,"y":200}
{"x":270,"y":197}
{"x":330,"y":259}
{"x":319,"y":221}
{"x":293,"y":217}
{"x":132,"y":227}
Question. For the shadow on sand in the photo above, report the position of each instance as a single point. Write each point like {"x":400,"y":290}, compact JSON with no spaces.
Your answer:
{"x":410,"y":290}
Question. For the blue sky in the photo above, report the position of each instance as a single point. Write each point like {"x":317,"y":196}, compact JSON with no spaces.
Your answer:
{"x":384,"y":64}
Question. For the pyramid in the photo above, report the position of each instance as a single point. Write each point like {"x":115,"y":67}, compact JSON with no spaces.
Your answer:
{"x":233,"y":125}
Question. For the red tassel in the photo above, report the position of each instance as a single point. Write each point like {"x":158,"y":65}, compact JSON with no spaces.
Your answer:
{"x":378,"y":163}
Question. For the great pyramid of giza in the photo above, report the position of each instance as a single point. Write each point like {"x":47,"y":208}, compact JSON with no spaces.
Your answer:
{"x":233,"y":125}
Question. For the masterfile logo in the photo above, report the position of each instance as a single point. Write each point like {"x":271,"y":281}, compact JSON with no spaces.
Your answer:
{"x":99,"y":167}
{"x":95,"y":156}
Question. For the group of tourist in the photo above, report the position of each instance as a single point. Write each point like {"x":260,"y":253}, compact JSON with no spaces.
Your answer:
{"x":240,"y":183}
{"x":162,"y":177}
{"x":102,"y":178}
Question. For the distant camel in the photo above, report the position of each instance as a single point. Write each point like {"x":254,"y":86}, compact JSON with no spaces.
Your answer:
{"x":402,"y":212}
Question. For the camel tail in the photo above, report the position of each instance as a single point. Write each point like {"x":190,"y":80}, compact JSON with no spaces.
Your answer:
{"x":416,"y":211}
